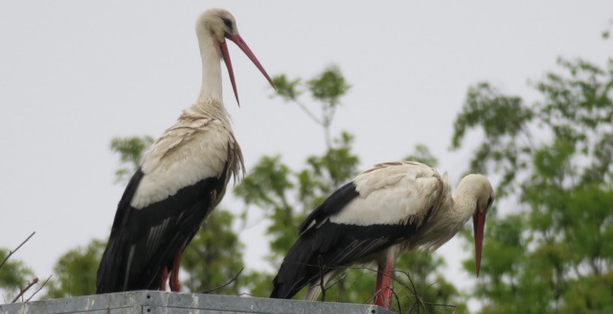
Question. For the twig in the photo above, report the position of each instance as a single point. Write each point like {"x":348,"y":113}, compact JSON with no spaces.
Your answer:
{"x":411,"y":309}
{"x":22,"y":291}
{"x":308,"y":112}
{"x":397,"y":300}
{"x":418,"y":300}
{"x":15,"y":250}
{"x":40,"y":288}
{"x":341,"y":277}
{"x":227,"y":283}
{"x":413,"y":289}
{"x":440,"y":304}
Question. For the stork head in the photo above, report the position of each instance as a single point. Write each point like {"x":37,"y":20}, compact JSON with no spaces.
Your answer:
{"x":221,"y":25}
{"x":478,"y":187}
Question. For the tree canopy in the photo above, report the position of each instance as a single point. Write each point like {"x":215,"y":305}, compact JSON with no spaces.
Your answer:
{"x":553,"y":252}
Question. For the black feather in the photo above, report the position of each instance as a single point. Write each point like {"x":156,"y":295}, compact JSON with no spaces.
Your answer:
{"x":327,"y":247}
{"x":147,"y":239}
{"x":332,"y":205}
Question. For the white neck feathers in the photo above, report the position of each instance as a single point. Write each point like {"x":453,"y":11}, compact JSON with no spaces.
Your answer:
{"x":210,"y":90}
{"x":464,"y":206}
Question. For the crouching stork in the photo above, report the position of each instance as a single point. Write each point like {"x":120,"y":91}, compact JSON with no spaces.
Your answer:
{"x":386,"y":210}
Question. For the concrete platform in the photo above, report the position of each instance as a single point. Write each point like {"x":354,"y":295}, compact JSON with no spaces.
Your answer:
{"x":152,"y":302}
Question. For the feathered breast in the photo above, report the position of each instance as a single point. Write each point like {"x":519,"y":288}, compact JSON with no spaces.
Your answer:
{"x":195,"y":148}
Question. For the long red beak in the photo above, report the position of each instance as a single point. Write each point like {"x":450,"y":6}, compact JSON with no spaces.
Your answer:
{"x":226,"y":58}
{"x":478,"y":226}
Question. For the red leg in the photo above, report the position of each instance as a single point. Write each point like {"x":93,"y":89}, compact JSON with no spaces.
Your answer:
{"x":163,"y":278}
{"x":383,"y":292}
{"x":174,"y":284}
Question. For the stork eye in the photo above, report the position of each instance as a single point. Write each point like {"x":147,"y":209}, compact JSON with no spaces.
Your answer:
{"x":227,"y":22}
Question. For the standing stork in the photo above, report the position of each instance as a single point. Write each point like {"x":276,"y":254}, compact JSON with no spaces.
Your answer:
{"x":386,"y":210}
{"x":181,"y":178}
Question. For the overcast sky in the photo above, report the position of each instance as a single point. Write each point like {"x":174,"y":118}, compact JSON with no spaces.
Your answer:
{"x":74,"y":74}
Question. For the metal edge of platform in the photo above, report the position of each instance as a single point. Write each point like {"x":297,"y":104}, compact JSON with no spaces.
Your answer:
{"x":153,"y":302}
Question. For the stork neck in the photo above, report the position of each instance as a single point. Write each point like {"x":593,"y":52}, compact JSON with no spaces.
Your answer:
{"x":464,"y":206}
{"x":211,"y":90}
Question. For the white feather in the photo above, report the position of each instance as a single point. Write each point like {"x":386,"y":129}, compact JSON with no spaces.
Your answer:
{"x":192,"y":150}
{"x":392,"y":193}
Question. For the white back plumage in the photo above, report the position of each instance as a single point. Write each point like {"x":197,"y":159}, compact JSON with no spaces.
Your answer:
{"x":393,"y":193}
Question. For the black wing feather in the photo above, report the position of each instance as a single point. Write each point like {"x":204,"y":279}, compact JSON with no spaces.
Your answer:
{"x":330,"y":246}
{"x":144,"y":241}
{"x":332,"y":205}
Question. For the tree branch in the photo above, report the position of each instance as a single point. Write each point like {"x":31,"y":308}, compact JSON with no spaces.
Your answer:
{"x":22,"y":291}
{"x":40,"y":288}
{"x":15,"y":250}
{"x":308,"y":112}
{"x":225,"y":284}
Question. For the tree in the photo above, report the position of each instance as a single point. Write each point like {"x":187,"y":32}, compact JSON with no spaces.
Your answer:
{"x":213,"y":260}
{"x":75,"y":271}
{"x":554,"y":158}
{"x":14,"y":285}
{"x":130,"y":150}
{"x":286,"y":196}
{"x":13,"y":274}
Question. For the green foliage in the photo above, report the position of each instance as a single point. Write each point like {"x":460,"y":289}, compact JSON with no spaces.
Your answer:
{"x":329,"y":86}
{"x":326,"y":88}
{"x":287,"y":89}
{"x":555,"y":157}
{"x":130,"y":150}
{"x":277,"y":190}
{"x":422,"y":154}
{"x":75,"y":271}
{"x":592,"y":294}
{"x":503,"y":120}
{"x":273,"y":187}
{"x":266,"y":186}
{"x":214,"y":257}
{"x":13,"y":275}
{"x":420,"y":288}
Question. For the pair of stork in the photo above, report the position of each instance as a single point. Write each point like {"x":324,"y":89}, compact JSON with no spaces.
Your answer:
{"x":386,"y":210}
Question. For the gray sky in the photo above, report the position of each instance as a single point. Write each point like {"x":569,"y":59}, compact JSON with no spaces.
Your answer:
{"x":74,"y":74}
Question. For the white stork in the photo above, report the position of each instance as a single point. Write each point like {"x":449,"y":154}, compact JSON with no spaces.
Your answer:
{"x":386,"y":210}
{"x":181,"y":179}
